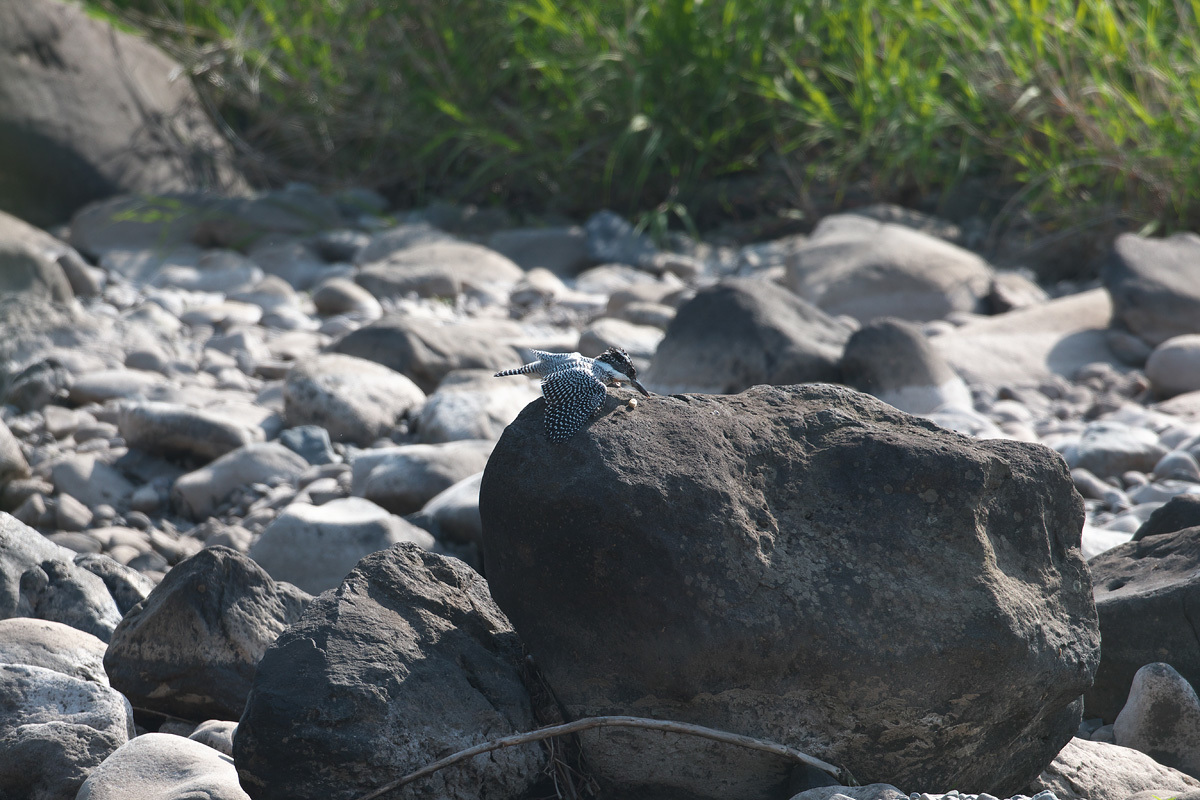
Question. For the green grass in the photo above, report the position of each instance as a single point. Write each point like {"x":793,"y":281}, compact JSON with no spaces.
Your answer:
{"x":1075,"y":111}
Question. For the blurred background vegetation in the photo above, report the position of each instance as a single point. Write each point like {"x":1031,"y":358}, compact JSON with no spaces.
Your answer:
{"x":1075,"y":113}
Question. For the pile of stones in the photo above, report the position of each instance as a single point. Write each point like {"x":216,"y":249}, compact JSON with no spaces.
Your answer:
{"x":216,"y":408}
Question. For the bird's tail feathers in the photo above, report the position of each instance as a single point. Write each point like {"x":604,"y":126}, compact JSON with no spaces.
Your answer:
{"x":524,"y":370}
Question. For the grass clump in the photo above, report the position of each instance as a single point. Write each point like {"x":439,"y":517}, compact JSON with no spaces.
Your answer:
{"x":1069,"y":109}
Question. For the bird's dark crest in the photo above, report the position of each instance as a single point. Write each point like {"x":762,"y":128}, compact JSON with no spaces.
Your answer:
{"x":618,"y":359}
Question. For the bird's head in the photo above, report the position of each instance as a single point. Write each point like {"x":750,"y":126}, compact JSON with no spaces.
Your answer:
{"x":617,"y":367}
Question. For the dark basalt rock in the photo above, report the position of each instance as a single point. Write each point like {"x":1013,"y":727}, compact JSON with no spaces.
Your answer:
{"x":190,"y":649}
{"x":1148,"y":597}
{"x":407,"y":661}
{"x":801,"y":564}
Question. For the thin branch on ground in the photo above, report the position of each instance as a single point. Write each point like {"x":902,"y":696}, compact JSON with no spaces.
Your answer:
{"x":588,"y":723}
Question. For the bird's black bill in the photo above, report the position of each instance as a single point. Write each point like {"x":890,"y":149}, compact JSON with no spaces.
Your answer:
{"x":639,"y":387}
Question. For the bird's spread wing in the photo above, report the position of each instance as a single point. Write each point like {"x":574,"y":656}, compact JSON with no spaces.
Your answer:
{"x":573,"y":396}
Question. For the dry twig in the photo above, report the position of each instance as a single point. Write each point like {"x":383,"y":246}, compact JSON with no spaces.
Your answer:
{"x":588,"y":723}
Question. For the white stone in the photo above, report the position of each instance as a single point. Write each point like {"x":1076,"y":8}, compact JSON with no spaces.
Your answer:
{"x":314,"y":547}
{"x":199,"y":493}
{"x":1161,"y":718}
{"x":159,"y":766}
{"x":1174,"y":366}
{"x":1088,"y":770}
{"x":473,"y":404}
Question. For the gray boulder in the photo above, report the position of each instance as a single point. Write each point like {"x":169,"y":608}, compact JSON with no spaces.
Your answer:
{"x":54,"y":729}
{"x":200,"y":492}
{"x":473,"y":404}
{"x":1161,"y":718}
{"x":190,"y":649}
{"x":52,"y":645}
{"x":135,"y":235}
{"x":171,"y":429}
{"x":270,"y":219}
{"x":1155,"y":285}
{"x":39,"y":579}
{"x":344,"y":296}
{"x":343,"y":244}
{"x":159,"y":766}
{"x":399,"y":238}
{"x":743,"y":332}
{"x":39,"y":383}
{"x":639,"y":341}
{"x":314,"y":547}
{"x":1030,"y":345}
{"x":45,"y":343}
{"x":95,"y":113}
{"x":29,"y":258}
{"x":294,"y":261}
{"x":876,"y":791}
{"x":539,"y":287}
{"x":91,"y":481}
{"x":866,"y":269}
{"x":1147,"y":594}
{"x":1174,"y":366}
{"x":120,"y":383}
{"x":402,"y":479}
{"x":454,"y":512}
{"x":409,"y":659}
{"x":356,"y":400}
{"x":1086,"y":770}
{"x":1110,"y":449}
{"x":796,"y":543}
{"x":563,"y":251}
{"x":217,"y":734}
{"x":426,"y":352}
{"x":657,"y":315}
{"x":893,"y":360}
{"x":216,"y":270}
{"x":441,"y":269}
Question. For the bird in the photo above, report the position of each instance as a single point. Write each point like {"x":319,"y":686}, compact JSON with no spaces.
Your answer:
{"x":575,"y":386}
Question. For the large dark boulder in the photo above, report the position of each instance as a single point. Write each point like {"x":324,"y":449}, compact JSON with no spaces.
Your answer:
{"x":742,"y":332}
{"x":191,"y":647}
{"x":804,"y":564}
{"x":408,"y":661}
{"x":87,"y":111}
{"x":1155,"y":285}
{"x":1148,"y":598}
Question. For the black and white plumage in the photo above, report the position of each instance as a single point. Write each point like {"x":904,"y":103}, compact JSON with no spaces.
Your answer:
{"x":574,"y":385}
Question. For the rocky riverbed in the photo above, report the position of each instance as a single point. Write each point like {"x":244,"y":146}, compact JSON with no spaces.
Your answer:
{"x":254,"y":466}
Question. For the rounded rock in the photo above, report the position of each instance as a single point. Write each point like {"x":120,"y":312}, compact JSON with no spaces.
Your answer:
{"x":53,"y":645}
{"x":1174,"y":366}
{"x":160,"y":766}
{"x":313,"y":547}
{"x":1161,"y":718}
{"x":356,"y":400}
{"x":827,"y":536}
